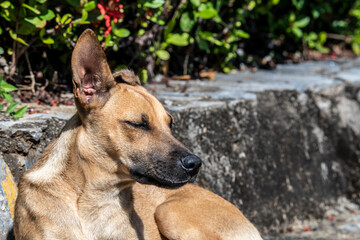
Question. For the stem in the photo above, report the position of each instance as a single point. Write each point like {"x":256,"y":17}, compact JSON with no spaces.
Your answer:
{"x":32,"y":77}
{"x":186,"y":61}
{"x":15,"y":56}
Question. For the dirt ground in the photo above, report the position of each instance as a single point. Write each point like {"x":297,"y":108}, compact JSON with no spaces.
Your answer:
{"x":339,"y":223}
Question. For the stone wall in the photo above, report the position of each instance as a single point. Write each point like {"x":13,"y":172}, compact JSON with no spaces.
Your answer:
{"x":281,"y":145}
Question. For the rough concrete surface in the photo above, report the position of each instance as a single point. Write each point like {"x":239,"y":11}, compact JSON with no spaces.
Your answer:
{"x":281,"y":145}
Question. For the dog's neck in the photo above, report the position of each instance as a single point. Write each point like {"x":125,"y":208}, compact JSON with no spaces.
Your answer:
{"x":96,"y":164}
{"x":73,"y":154}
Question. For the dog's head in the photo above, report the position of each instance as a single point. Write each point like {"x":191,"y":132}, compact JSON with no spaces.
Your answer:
{"x":125,"y":122}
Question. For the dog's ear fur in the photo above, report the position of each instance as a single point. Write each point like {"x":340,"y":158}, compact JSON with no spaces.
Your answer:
{"x":127,"y":76}
{"x":92,"y":77}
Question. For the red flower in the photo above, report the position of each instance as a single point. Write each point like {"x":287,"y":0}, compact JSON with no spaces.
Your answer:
{"x":54,"y":102}
{"x":111,"y":12}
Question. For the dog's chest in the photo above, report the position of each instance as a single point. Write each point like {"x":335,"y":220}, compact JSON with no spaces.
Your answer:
{"x":108,"y":215}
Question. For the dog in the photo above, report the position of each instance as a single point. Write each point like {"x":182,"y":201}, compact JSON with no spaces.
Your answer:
{"x":116,"y":172}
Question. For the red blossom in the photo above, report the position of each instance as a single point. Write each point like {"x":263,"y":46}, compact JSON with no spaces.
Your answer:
{"x":54,"y":102}
{"x":111,"y":12}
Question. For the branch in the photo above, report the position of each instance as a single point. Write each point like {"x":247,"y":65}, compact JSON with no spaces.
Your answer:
{"x":14,"y":55}
{"x":32,"y":77}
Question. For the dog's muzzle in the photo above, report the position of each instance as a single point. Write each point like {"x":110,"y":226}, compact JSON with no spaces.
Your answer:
{"x":183,"y":169}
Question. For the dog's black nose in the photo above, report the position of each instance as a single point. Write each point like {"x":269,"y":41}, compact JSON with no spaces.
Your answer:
{"x":191,"y":164}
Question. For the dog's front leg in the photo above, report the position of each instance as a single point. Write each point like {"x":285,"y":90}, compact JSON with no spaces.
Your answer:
{"x":194,"y":213}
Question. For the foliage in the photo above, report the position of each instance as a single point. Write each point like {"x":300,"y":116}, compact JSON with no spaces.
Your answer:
{"x":172,"y":37}
{"x":5,"y":89}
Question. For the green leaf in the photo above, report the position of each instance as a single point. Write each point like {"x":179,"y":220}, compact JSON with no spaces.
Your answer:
{"x":1,"y":31}
{"x":1,"y":107}
{"x":292,"y":17}
{"x":42,"y":32}
{"x":65,"y":18}
{"x":163,"y":54}
{"x":73,"y":3}
{"x":48,"y":15}
{"x":84,"y":15}
{"x":144,"y":75}
{"x":14,"y":36}
{"x":203,"y":45}
{"x":1,"y":51}
{"x":81,"y":22}
{"x":20,"y":40}
{"x":196,"y":3}
{"x":5,"y":4}
{"x":207,"y":13}
{"x":311,"y":37}
{"x":178,"y":40}
{"x":275,"y":2}
{"x":154,"y":4}
{"x":226,"y":69}
{"x":315,"y":13}
{"x":34,"y":10}
{"x":297,"y":32}
{"x":169,"y":27}
{"x":355,"y":48}
{"x":252,"y":5}
{"x":36,"y":21}
{"x":20,"y":112}
{"x":242,"y":34}
{"x":108,"y":41}
{"x":302,"y":22}
{"x":6,"y":87}
{"x":90,"y":6}
{"x":186,"y":23}
{"x":26,"y":28}
{"x":121,"y":32}
{"x":322,"y":37}
{"x":41,"y":1}
{"x":11,"y":108}
{"x":48,"y":40}
{"x":141,"y":32}
{"x":298,"y":4}
{"x":7,"y":97}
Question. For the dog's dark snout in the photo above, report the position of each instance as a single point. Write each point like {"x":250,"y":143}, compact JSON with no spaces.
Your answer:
{"x":191,"y":164}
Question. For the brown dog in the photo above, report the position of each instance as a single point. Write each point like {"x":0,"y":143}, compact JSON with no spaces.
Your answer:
{"x":116,"y":171}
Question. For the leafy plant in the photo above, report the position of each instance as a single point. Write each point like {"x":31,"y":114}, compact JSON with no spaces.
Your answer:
{"x":5,"y":89}
{"x":172,"y":37}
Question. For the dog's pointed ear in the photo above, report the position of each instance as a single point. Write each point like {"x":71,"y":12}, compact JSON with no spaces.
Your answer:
{"x":92,"y":77}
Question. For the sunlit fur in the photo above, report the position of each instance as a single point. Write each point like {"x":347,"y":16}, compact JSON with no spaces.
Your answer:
{"x":82,"y":187}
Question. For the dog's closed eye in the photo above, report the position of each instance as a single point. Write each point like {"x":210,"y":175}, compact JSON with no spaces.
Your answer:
{"x":138,"y":125}
{"x":143,"y":124}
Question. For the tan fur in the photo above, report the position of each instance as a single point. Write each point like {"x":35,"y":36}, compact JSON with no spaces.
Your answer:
{"x":82,"y":186}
